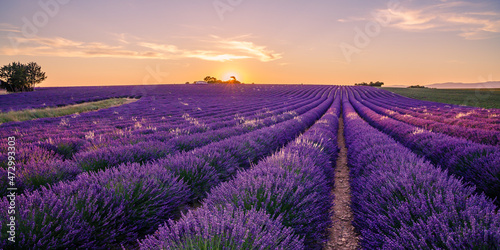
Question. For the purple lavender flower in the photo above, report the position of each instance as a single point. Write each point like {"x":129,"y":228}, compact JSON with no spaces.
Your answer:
{"x":297,"y":193}
{"x":43,"y":221}
{"x":401,"y":201}
{"x":194,"y":171}
{"x":125,"y":202}
{"x":225,"y":228}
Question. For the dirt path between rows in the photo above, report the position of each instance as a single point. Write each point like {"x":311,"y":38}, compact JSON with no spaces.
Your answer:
{"x":342,"y":233}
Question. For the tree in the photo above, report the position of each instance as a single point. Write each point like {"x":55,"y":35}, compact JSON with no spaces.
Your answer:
{"x":34,"y":75}
{"x":373,"y":84}
{"x":361,"y":84}
{"x":17,"y":77}
{"x":417,"y":87}
{"x":210,"y":79}
{"x":233,"y":80}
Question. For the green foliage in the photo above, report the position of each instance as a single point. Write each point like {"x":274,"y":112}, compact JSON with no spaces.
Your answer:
{"x":484,"y":98}
{"x":417,"y":87}
{"x":210,"y":79}
{"x":373,"y":84}
{"x":18,"y":77}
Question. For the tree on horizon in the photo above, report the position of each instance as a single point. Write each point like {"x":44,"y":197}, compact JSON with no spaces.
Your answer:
{"x":18,"y":77}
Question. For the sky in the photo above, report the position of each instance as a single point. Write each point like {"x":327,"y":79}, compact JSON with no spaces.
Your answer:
{"x":398,"y":42}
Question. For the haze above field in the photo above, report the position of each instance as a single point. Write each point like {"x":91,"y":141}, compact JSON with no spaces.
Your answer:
{"x":331,"y":42}
{"x":458,"y":85}
{"x":455,"y":85}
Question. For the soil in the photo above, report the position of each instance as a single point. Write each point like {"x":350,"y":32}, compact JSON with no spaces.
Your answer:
{"x":342,"y":233}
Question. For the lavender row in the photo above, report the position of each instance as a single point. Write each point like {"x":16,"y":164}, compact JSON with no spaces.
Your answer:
{"x":104,"y":209}
{"x":433,"y":119}
{"x":151,"y":131}
{"x":475,"y":163}
{"x":40,"y":166}
{"x":141,"y":152}
{"x":292,"y":187}
{"x":101,"y":128}
{"x":236,"y":153}
{"x":140,"y":120}
{"x":401,"y":201}
{"x":76,"y":144}
{"x":451,"y":114}
{"x":62,"y":96}
{"x":54,"y":97}
{"x":469,"y":117}
{"x":156,"y":111}
{"x":483,"y":136}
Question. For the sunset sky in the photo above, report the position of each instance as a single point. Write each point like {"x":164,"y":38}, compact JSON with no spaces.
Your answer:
{"x":323,"y":42}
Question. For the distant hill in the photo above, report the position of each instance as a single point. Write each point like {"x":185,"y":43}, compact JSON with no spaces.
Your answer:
{"x":459,"y":85}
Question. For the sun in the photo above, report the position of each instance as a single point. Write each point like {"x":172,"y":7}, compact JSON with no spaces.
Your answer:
{"x":227,"y":76}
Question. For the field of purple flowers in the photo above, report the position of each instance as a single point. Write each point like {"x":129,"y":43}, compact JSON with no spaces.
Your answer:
{"x":248,"y":167}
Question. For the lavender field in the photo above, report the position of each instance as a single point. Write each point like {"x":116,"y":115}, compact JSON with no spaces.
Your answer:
{"x":247,"y":167}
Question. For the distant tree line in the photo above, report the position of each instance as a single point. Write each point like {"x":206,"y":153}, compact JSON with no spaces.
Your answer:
{"x":417,"y":87}
{"x":373,"y":84}
{"x":232,"y":80}
{"x":18,"y":77}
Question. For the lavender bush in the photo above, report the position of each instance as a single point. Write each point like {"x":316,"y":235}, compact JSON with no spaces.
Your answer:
{"x":108,"y":147}
{"x":478,"y":135}
{"x":43,"y":221}
{"x":226,"y":228}
{"x":290,"y":184}
{"x":125,"y":202}
{"x":194,"y":171}
{"x":259,"y":162}
{"x":401,"y":201}
{"x":476,"y":163}
{"x":302,"y":199}
{"x":121,"y":204}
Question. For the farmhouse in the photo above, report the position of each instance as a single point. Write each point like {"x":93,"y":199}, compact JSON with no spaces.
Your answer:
{"x":201,"y":82}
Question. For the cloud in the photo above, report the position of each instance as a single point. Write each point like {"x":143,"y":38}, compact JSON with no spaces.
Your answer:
{"x":56,"y":42}
{"x":121,"y":37}
{"x":411,"y":19}
{"x":470,"y":20}
{"x":7,"y":27}
{"x":58,"y":46}
{"x":133,"y":47}
{"x":208,"y":55}
{"x":213,"y":56}
{"x":258,"y":52}
{"x":447,"y":16}
{"x":160,"y":47}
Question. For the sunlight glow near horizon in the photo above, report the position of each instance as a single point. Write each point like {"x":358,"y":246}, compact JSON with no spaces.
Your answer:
{"x":325,"y":42}
{"x":227,"y":76}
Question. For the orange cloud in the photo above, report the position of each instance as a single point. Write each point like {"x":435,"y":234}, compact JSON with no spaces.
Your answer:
{"x":259,"y":52}
{"x":7,"y":27}
{"x":223,"y":50}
